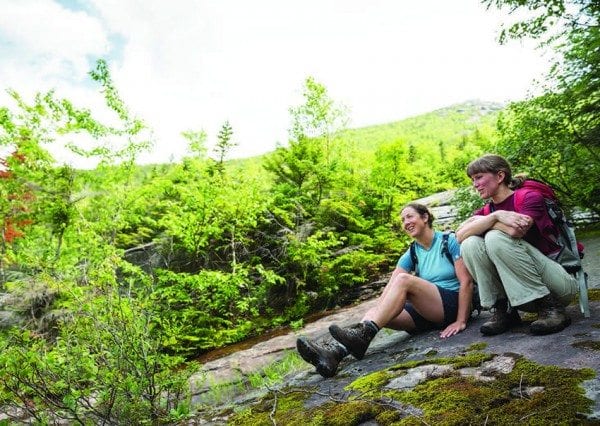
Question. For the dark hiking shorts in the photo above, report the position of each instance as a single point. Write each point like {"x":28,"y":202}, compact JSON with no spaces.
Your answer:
{"x":450,"y":302}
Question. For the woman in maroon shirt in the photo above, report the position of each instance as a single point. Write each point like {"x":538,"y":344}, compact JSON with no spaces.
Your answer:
{"x":506,"y":253}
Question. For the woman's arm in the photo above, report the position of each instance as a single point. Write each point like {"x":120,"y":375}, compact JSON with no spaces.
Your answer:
{"x":513,"y":223}
{"x":475,"y":225}
{"x":465,"y":295}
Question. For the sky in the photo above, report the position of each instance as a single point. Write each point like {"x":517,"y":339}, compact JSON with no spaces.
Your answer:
{"x":194,"y":64}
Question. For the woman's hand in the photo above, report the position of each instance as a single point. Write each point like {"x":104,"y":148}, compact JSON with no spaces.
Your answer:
{"x":513,"y":223}
{"x":514,"y":219}
{"x":452,"y":329}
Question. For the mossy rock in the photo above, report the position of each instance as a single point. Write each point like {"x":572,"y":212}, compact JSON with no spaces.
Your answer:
{"x":452,"y":399}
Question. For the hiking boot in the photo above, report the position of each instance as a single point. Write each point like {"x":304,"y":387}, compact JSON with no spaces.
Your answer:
{"x":502,"y":320}
{"x":551,"y":317}
{"x":355,"y":338}
{"x":325,"y":356}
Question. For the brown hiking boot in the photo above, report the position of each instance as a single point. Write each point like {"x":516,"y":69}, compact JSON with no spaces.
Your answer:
{"x":355,"y":338}
{"x":325,"y":355}
{"x":502,"y":320}
{"x":551,"y":317}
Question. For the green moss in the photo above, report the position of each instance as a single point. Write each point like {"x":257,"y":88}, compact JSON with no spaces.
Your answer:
{"x":528,"y":316}
{"x":562,"y":398}
{"x":388,"y":417}
{"x":289,"y":409}
{"x":452,"y":400}
{"x":477,"y":346}
{"x":594,"y":294}
{"x":448,"y":400}
{"x":595,"y":325}
{"x":370,"y":382}
{"x":468,"y":359}
{"x":461,"y":400}
{"x":411,"y":364}
{"x":471,"y":359}
{"x":350,"y":413}
{"x":587,"y":344}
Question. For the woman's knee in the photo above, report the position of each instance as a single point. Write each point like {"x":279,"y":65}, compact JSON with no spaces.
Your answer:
{"x":497,"y":241}
{"x":472,"y":250}
{"x":495,"y":237}
{"x":472,"y":244}
{"x":403,"y":280}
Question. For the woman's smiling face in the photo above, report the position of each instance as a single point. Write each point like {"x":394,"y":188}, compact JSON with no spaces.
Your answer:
{"x":412,"y":222}
{"x":487,"y":183}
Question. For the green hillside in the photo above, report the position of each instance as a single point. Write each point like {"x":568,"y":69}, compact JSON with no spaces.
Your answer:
{"x":448,"y":125}
{"x":442,"y":137}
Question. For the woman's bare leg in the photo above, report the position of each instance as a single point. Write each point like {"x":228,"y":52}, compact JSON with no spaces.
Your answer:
{"x":403,"y":287}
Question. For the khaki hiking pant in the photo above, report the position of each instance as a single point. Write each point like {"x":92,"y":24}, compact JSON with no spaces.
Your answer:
{"x":507,"y":267}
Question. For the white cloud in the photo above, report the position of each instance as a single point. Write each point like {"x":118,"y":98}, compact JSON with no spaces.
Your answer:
{"x":54,"y":40}
{"x":192,"y":64}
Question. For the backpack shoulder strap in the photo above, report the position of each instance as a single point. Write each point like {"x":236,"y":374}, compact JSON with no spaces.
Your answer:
{"x":413,"y":257}
{"x":445,"y":249}
{"x":445,"y":252}
{"x":519,"y":197}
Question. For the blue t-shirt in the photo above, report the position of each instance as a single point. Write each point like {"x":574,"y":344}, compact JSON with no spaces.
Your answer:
{"x":433,"y":265}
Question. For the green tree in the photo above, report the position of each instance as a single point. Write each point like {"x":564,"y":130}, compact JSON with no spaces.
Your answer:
{"x":92,"y":351}
{"x":555,"y":136}
{"x":224,"y":144}
{"x":196,"y":142}
{"x":306,"y":164}
{"x":319,"y":117}
{"x":392,"y":179}
{"x":547,"y":20}
{"x":104,"y":366}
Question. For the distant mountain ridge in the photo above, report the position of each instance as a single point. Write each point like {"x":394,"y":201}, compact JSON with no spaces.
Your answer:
{"x":446,"y":125}
{"x":474,"y":105}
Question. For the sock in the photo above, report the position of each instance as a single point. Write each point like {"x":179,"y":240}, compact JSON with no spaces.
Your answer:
{"x":372,"y":325}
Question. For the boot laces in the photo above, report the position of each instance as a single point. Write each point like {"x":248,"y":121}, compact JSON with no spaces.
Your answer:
{"x":329,"y":345}
{"x":358,"y":331}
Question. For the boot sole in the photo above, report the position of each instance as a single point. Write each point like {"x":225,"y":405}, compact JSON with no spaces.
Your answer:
{"x":311,"y":356}
{"x":336,"y":333}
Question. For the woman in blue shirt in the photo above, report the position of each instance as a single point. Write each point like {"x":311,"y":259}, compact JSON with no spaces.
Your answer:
{"x":437,"y":295}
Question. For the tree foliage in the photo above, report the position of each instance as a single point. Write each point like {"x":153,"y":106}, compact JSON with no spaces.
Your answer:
{"x":546,"y":20}
{"x":555,"y":136}
{"x":224,"y":143}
